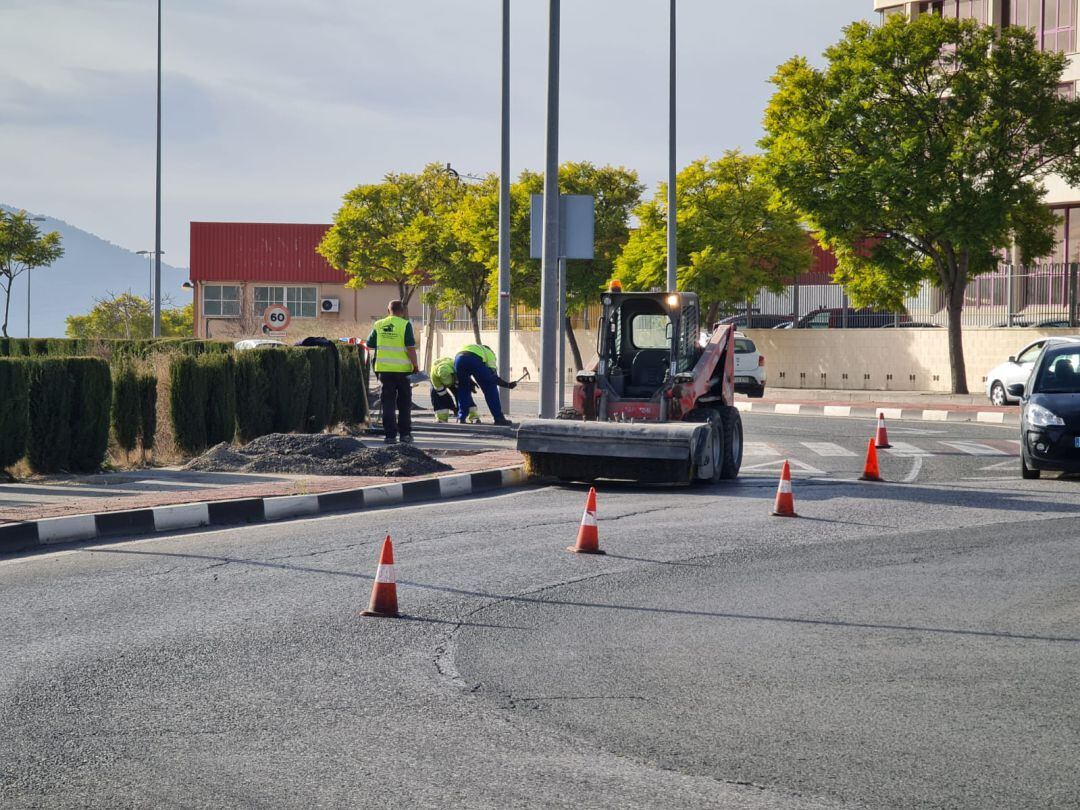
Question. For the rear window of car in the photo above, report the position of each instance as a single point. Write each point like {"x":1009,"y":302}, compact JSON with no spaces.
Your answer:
{"x":744,"y":346}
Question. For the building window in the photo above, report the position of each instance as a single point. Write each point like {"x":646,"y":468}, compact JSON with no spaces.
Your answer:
{"x":1052,"y":21}
{"x":221,"y":300}
{"x":892,"y":11}
{"x":1067,"y":90}
{"x":301,"y":301}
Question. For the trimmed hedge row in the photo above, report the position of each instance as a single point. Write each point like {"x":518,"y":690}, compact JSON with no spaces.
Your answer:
{"x":202,"y":401}
{"x":14,"y":415}
{"x":112,"y":349}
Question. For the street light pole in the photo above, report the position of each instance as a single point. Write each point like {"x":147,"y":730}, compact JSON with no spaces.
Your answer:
{"x":32,"y":219}
{"x":672,"y":250}
{"x":549,"y":271}
{"x":150,"y":254}
{"x":503,"y":312}
{"x":157,"y":199}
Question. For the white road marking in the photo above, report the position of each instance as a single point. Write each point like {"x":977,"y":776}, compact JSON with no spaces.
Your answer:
{"x":975,"y":449}
{"x":759,"y":449}
{"x":905,"y":449}
{"x":826,"y":449}
{"x":777,"y":464}
{"x":916,"y":467}
{"x":919,"y":431}
{"x":1001,"y":465}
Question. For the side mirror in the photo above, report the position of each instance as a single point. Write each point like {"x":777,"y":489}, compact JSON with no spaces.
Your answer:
{"x":1012,"y":359}
{"x":684,"y":377}
{"x":1016,"y":390}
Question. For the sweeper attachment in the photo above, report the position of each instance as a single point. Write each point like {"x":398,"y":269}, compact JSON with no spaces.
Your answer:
{"x":654,"y":405}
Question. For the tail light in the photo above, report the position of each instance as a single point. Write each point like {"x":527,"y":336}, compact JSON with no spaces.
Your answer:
{"x":761,"y":359}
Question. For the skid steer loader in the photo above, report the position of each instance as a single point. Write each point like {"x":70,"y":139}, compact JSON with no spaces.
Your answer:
{"x":654,"y":406}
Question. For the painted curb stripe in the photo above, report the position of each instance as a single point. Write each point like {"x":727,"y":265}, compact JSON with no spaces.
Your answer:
{"x":891,"y":413}
{"x":351,"y":500}
{"x":382,"y":495}
{"x":787,"y":407}
{"x":488,"y":479}
{"x":935,"y":416}
{"x":290,"y":506}
{"x":181,"y":516}
{"x":838,"y":410}
{"x":134,"y":521}
{"x":18,"y":537}
{"x":454,"y":485}
{"x":244,"y":510}
{"x":64,"y":529}
{"x":993,"y":417}
{"x":424,"y":490}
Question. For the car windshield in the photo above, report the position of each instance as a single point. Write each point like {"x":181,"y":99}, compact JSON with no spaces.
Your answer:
{"x":1060,"y":372}
{"x":744,"y":346}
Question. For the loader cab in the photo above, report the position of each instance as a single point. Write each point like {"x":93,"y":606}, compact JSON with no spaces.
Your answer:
{"x":645,"y":339}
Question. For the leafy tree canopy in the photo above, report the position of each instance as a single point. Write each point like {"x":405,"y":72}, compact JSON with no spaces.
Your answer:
{"x":129,"y":317}
{"x":734,"y":234}
{"x":919,"y":152}
{"x":23,"y":247}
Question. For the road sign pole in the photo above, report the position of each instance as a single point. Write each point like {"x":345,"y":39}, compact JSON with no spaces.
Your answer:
{"x":503,"y":314}
{"x":157,"y":193}
{"x":548,"y":264}
{"x":672,"y":250}
{"x":562,"y":332}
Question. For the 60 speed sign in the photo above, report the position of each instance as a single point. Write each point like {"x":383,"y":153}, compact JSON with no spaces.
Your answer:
{"x":277,"y":317}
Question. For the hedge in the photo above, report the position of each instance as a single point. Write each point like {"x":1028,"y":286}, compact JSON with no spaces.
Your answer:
{"x":147,"y":410}
{"x":322,"y":395}
{"x":113,"y":349}
{"x":352,"y":393}
{"x":220,"y":407}
{"x":91,"y":405}
{"x":49,"y":443}
{"x":127,"y":408}
{"x":254,"y":414}
{"x":187,"y":404}
{"x":14,"y":415}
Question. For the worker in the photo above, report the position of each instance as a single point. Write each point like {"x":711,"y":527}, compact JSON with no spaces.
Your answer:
{"x":443,"y":385}
{"x":392,"y":340}
{"x":475,"y":365}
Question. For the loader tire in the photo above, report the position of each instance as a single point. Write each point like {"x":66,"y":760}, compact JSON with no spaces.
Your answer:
{"x":731,"y":427}
{"x":719,"y":444}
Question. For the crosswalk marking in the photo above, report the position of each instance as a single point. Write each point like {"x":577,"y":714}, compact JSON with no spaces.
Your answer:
{"x":905,"y":449}
{"x":759,"y":449}
{"x":975,"y":449}
{"x":826,"y":449}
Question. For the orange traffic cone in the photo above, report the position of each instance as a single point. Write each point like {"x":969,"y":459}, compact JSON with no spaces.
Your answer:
{"x":588,"y":538}
{"x":870,"y":469}
{"x":785,"y":500}
{"x":384,"y":591}
{"x":882,"y":438}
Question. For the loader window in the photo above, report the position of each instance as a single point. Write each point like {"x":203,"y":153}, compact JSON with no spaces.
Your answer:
{"x":648,"y":331}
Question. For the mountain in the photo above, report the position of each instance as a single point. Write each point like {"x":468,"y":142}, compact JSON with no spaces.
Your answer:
{"x":91,"y":268}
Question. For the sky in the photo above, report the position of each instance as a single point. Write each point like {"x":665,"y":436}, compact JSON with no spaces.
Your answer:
{"x":273,"y":109}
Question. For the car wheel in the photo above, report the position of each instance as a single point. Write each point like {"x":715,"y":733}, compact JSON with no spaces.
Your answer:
{"x":1026,"y":471}
{"x":997,"y":394}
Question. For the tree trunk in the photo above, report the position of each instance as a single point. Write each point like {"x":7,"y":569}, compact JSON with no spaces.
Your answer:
{"x":574,"y":350}
{"x":429,"y":337}
{"x":474,"y":316}
{"x":710,"y":315}
{"x":957,"y":367}
{"x":7,"y":305}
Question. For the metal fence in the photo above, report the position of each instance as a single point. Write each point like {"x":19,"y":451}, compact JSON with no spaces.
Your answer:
{"x":1041,"y":296}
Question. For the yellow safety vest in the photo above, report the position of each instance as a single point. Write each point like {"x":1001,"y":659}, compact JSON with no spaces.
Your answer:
{"x":442,"y":374}
{"x":483,"y":352}
{"x":390,"y":352}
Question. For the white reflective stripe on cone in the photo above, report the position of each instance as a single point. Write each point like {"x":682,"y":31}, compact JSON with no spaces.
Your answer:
{"x":588,"y":519}
{"x":385,"y":574}
{"x":785,"y":486}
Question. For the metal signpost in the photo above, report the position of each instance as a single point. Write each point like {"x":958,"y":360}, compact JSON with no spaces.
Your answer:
{"x":503,"y":312}
{"x":548,"y":281}
{"x":577,"y":224}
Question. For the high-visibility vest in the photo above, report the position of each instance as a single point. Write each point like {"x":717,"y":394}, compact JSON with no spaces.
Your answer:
{"x":390,"y":352}
{"x":442,"y":374}
{"x":483,"y":352}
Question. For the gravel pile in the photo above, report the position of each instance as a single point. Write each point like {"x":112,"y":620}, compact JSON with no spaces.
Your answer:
{"x":316,"y":454}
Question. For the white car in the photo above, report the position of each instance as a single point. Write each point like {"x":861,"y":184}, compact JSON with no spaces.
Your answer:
{"x":749,"y":367}
{"x":1014,"y":370}
{"x":256,"y":343}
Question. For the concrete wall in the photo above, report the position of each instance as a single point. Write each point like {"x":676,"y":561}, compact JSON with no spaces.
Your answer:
{"x":524,"y":348}
{"x":884,"y":359}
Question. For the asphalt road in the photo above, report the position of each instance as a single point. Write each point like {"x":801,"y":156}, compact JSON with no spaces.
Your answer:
{"x":899,"y":645}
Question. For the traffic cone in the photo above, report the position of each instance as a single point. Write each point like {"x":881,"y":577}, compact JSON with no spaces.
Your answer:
{"x":785,"y":500}
{"x":384,"y":591}
{"x":882,"y":438}
{"x":870,"y":469}
{"x":588,"y":538}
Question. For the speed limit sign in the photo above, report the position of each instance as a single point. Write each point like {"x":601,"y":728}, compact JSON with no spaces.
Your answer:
{"x":277,"y":317}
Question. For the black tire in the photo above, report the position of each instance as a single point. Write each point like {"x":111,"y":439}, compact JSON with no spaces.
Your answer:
{"x":716,"y":427}
{"x":997,"y":392}
{"x":1027,"y":472}
{"x":731,"y":426}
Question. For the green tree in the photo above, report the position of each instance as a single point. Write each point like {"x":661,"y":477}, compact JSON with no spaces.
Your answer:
{"x":383,"y":232}
{"x":919,"y":152}
{"x":617,"y":193}
{"x":130,"y":317}
{"x":23,"y":247}
{"x":735,"y":235}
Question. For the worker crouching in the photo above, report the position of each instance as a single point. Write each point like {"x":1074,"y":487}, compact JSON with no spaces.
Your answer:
{"x":474,"y":366}
{"x":443,"y":386}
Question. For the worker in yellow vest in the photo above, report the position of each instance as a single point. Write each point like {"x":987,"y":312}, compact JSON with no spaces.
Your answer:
{"x":443,"y":387}
{"x":395,"y":359}
{"x":475,"y":365}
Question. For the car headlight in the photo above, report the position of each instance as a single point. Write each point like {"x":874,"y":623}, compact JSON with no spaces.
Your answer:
{"x":1038,"y":416}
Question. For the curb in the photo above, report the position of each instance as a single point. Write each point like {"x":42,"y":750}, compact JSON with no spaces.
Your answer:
{"x":906,"y":414}
{"x":33,"y":534}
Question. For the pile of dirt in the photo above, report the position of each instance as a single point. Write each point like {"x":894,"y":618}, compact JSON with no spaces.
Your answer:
{"x":316,"y":454}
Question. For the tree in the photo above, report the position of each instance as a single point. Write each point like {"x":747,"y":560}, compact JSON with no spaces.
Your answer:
{"x":617,"y":192}
{"x":22,"y":248}
{"x":383,"y":231}
{"x":130,"y":317}
{"x":735,"y":235}
{"x":919,"y":153}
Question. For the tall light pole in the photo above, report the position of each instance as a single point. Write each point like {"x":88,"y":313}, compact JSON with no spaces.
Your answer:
{"x":503,"y":312}
{"x":672,"y":250}
{"x":549,"y":269}
{"x":157,"y":195}
{"x":31,"y":219}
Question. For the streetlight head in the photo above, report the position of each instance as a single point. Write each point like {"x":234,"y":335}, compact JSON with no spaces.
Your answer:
{"x":187,"y":285}
{"x":142,"y":252}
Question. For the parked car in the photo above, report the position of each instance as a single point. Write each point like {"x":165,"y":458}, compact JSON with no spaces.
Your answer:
{"x":749,"y":368}
{"x":1054,"y":323}
{"x":756,"y":321}
{"x":1014,"y":370}
{"x":1050,"y":410}
{"x":833,"y":318}
{"x":912,"y":325}
{"x":256,"y":343}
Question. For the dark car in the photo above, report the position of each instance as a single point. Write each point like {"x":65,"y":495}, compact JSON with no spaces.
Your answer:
{"x":834,"y":318}
{"x":755,"y":321}
{"x":1050,"y":410}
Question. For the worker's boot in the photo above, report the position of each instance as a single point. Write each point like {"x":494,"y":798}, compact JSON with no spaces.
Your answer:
{"x":442,"y":416}
{"x":502,"y":420}
{"x":474,"y":417}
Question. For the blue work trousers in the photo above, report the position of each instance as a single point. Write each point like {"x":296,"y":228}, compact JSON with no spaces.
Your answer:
{"x":469,"y":367}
